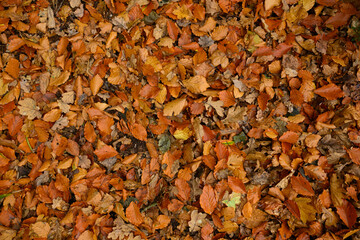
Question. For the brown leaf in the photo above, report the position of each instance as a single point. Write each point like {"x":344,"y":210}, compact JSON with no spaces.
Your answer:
{"x":208,"y":200}
{"x":302,"y":186}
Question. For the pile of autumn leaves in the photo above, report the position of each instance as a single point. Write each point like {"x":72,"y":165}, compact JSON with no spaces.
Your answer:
{"x":203,"y":87}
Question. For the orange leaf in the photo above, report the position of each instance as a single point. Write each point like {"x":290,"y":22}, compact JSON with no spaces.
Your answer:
{"x":289,"y":137}
{"x":133,"y":214}
{"x":354,"y":154}
{"x":12,"y":67}
{"x":52,"y":116}
{"x":236,"y":185}
{"x":183,"y":189}
{"x":302,"y":186}
{"x":227,"y":98}
{"x":95,"y":84}
{"x":225,"y":5}
{"x":208,"y":199}
{"x":59,"y":144}
{"x":138,"y":131}
{"x":247,"y":210}
{"x":172,"y":30}
{"x":104,"y":124}
{"x":15,"y":44}
{"x":89,"y":132}
{"x":206,"y":231}
{"x":105,"y":152}
{"x":162,"y":221}
{"x":330,"y":91}
{"x":347,"y":213}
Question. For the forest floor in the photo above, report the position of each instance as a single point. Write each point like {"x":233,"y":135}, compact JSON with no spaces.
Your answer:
{"x":190,"y":119}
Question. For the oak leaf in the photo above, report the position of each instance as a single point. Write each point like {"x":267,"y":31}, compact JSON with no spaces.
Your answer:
{"x":28,"y":108}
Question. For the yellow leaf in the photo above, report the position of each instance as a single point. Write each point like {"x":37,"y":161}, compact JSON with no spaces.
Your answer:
{"x":270,"y":4}
{"x":183,"y":134}
{"x":307,"y":211}
{"x":64,"y":76}
{"x":174,"y":107}
{"x":229,"y":227}
{"x":308,"y":4}
{"x":197,"y":84}
{"x":154,"y":62}
{"x":183,"y":12}
{"x":336,"y":191}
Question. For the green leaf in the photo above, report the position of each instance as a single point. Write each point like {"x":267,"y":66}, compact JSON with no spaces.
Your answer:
{"x":240,"y":138}
{"x":5,"y":195}
{"x":235,"y":198}
{"x":164,"y":143}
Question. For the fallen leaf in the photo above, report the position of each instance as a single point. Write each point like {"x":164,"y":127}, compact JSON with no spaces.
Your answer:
{"x":133,"y":214}
{"x":174,"y":107}
{"x":330,"y":91}
{"x":302,"y":186}
{"x":197,"y":84}
{"x":208,"y":200}
{"x":28,"y":108}
{"x":347,"y":213}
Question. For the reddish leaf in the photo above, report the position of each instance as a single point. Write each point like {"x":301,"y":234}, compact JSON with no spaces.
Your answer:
{"x":293,"y":208}
{"x":330,"y":92}
{"x":347,"y":213}
{"x":302,"y":186}
{"x":281,"y":49}
{"x":208,"y":199}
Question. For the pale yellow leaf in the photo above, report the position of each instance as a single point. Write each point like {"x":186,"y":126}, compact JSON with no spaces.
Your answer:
{"x":28,"y":108}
